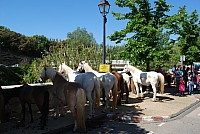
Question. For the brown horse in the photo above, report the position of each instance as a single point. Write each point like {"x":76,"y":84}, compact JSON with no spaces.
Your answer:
{"x":2,"y":107}
{"x":120,"y":86}
{"x":69,"y":93}
{"x":125,"y":85}
{"x":27,"y":94}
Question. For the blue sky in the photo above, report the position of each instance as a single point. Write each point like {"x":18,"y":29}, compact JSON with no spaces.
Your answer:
{"x":55,"y":18}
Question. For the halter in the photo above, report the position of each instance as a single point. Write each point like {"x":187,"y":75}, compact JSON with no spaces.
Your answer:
{"x":126,"y":69}
{"x":80,"y":67}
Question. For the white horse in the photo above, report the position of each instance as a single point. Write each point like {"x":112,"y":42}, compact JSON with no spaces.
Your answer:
{"x":145,"y":78}
{"x":108,"y":82}
{"x":88,"y":81}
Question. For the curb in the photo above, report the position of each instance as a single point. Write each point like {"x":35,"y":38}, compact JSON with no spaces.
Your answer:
{"x":186,"y":109}
{"x":129,"y":118}
{"x":138,"y":119}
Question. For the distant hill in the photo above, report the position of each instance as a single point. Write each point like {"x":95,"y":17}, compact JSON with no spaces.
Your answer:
{"x":16,"y":48}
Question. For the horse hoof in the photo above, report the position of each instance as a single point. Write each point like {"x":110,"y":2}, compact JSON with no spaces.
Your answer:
{"x":56,"y":117}
{"x":142,"y":95}
{"x":20,"y":124}
{"x":154,"y":100}
{"x":90,"y":117}
{"x":103,"y":111}
{"x":62,"y":115}
{"x":42,"y":128}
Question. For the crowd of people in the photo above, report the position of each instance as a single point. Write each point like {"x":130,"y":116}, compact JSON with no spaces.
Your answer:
{"x":185,"y":79}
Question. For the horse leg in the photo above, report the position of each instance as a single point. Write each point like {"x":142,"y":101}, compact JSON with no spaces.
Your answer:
{"x":91,"y":108}
{"x":30,"y":111}
{"x":21,"y":123}
{"x":43,"y":116}
{"x":23,"y":112}
{"x":58,"y":107}
{"x":137,"y":89}
{"x":141,"y":92}
{"x":74,"y":115}
{"x":127,"y":96}
{"x":103,"y":96}
{"x":154,"y":92}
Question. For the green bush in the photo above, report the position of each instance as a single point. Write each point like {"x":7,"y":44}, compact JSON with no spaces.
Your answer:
{"x":11,"y":75}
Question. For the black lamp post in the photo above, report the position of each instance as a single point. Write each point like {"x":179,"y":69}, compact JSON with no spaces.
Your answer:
{"x":104,"y":8}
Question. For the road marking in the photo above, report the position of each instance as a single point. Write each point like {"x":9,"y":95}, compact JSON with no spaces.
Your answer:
{"x":161,"y":124}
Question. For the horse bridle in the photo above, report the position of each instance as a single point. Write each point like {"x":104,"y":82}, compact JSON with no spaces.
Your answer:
{"x":81,"y":67}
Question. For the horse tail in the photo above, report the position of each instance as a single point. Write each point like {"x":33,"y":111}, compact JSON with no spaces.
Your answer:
{"x":114,"y":92}
{"x":122,"y":84}
{"x":97,"y":90}
{"x":80,"y":109}
{"x":162,"y":82}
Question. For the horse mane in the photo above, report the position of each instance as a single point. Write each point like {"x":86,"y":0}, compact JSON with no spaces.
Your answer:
{"x":66,"y":68}
{"x":134,"y":69}
{"x":50,"y":72}
{"x":89,"y":68}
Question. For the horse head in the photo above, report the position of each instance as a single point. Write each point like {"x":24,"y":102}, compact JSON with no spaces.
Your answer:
{"x":43,"y":76}
{"x":126,"y":69}
{"x":48,"y":73}
{"x":60,"y":68}
{"x":80,"y":67}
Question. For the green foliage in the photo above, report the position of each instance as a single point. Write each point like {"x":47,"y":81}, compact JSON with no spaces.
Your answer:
{"x":80,"y":37}
{"x":33,"y":72}
{"x":188,"y":28}
{"x":11,"y":75}
{"x":143,"y":30}
{"x":18,"y":43}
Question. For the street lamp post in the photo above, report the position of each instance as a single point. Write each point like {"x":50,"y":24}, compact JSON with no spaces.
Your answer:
{"x":104,"y":8}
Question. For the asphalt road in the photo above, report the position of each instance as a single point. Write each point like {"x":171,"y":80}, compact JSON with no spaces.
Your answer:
{"x":187,"y":123}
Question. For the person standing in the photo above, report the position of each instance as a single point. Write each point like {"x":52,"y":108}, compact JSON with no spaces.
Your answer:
{"x":182,"y":86}
{"x":178,"y":75}
{"x":190,"y":84}
{"x":174,"y":68}
{"x":185,"y":75}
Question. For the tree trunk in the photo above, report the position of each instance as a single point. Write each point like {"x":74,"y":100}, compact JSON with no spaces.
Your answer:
{"x":147,"y":66}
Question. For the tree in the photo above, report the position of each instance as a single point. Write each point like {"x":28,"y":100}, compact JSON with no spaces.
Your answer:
{"x":24,"y":45}
{"x":143,"y":30}
{"x":188,"y":28}
{"x":80,"y":37}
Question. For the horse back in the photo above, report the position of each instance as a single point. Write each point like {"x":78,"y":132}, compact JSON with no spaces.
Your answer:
{"x":70,"y":90}
{"x":72,"y":86}
{"x":10,"y":93}
{"x":32,"y":94}
{"x":120,"y":80}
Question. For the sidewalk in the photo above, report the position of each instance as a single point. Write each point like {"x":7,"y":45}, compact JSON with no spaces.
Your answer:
{"x":168,"y":106}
